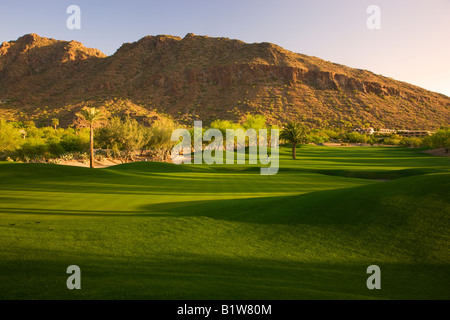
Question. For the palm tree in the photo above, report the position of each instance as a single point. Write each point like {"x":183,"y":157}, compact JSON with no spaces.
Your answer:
{"x":55,"y":122}
{"x":91,"y":116}
{"x":294,"y":133}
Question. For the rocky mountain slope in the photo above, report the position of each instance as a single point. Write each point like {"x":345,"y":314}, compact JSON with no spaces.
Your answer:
{"x":198,"y":77}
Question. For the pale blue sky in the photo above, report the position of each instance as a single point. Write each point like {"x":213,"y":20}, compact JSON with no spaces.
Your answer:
{"x":413,"y":44}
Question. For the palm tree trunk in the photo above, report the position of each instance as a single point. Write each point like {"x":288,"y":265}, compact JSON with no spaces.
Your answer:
{"x":92,"y":147}
{"x":294,"y":151}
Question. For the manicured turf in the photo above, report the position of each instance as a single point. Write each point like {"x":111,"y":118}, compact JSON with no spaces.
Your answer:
{"x":160,"y":231}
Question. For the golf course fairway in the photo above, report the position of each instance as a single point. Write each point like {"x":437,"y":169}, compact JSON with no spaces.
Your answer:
{"x":161,"y":231}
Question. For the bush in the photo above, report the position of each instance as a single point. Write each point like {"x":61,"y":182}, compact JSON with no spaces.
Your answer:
{"x":372,"y":140}
{"x":83,"y":157}
{"x":256,"y":122}
{"x":33,"y":148}
{"x":412,"y":142}
{"x":355,"y":137}
{"x":393,"y":140}
{"x":318,"y":138}
{"x":10,"y":138}
{"x":71,"y":142}
{"x":161,"y":137}
{"x":54,"y":147}
{"x":101,"y":155}
{"x":330,"y":134}
{"x":441,"y":139}
{"x":126,"y":136}
{"x":67,"y":156}
{"x":223,"y":125}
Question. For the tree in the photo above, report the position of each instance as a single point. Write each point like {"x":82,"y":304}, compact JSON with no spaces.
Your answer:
{"x":197,"y":131}
{"x":126,"y":136}
{"x":295,"y":133}
{"x":256,"y":122}
{"x":440,"y":139}
{"x":355,"y":137}
{"x":10,"y":138}
{"x":223,"y":125}
{"x":92,"y":117}
{"x":29,"y":124}
{"x":55,"y":123}
{"x":161,"y":138}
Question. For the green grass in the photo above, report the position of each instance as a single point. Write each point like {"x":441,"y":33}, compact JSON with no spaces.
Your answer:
{"x":160,"y":231}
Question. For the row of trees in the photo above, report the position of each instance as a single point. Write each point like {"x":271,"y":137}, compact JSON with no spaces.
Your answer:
{"x":126,"y":136}
{"x":123,"y":137}
{"x":296,"y":133}
{"x":24,"y":140}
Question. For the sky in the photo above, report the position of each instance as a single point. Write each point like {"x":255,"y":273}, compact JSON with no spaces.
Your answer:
{"x":411,"y":45}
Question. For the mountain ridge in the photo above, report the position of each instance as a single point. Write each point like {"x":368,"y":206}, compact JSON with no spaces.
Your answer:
{"x":199,"y":77}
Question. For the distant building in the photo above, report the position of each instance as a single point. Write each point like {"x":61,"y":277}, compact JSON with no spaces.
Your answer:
{"x":404,"y":133}
{"x":414,"y":133}
{"x":364,"y":130}
{"x":386,"y":131}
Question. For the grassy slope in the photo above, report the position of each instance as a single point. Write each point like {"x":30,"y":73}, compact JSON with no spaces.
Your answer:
{"x":149,"y":230}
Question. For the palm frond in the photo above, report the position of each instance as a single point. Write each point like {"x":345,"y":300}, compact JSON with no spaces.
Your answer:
{"x":90,"y":115}
{"x":294,"y":132}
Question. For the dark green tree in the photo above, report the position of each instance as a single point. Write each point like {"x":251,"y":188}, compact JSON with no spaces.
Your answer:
{"x":295,"y":133}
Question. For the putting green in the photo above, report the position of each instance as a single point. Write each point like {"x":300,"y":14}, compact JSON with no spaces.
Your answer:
{"x":160,"y":231}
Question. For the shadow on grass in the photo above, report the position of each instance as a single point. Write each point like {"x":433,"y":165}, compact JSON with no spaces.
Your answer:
{"x":316,"y":208}
{"x":359,"y":174}
{"x":214,"y":277}
{"x":303,"y":209}
{"x":389,"y":203}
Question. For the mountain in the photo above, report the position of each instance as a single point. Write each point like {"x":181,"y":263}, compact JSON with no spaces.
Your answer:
{"x":198,"y":77}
